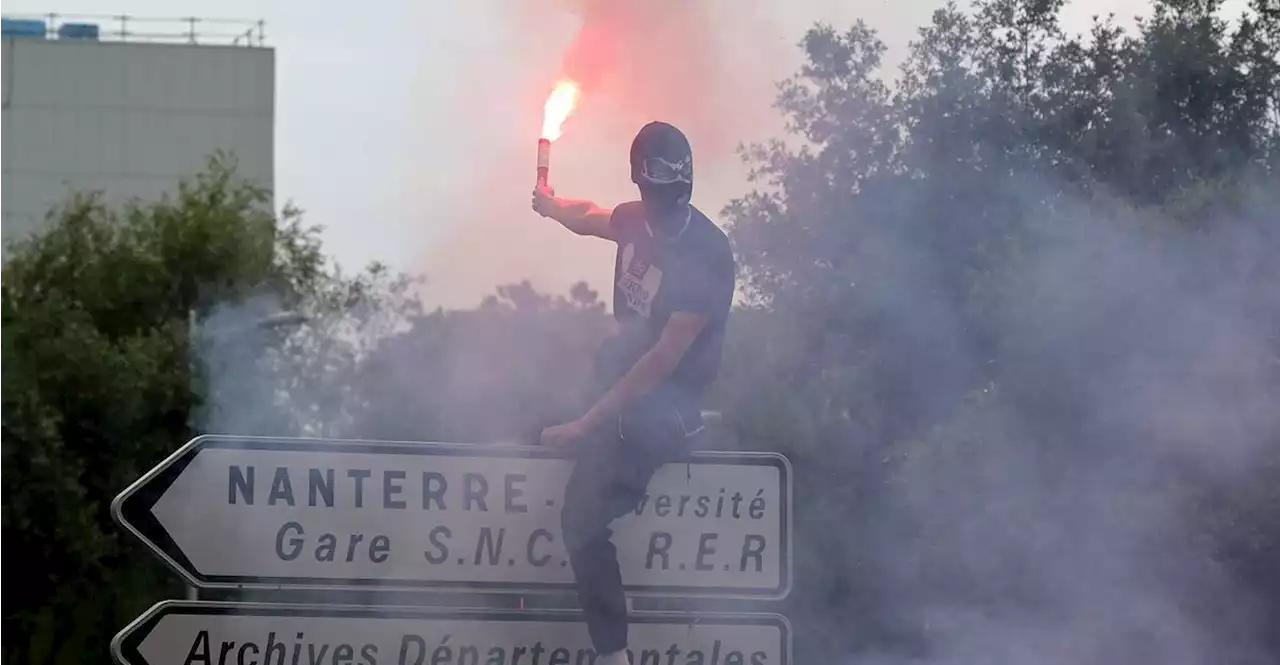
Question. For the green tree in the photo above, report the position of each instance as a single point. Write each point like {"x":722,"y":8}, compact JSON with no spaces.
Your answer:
{"x":1008,"y":264}
{"x":101,"y":383}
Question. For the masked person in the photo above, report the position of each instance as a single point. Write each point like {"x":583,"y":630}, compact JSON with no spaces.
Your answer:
{"x":673,"y":286}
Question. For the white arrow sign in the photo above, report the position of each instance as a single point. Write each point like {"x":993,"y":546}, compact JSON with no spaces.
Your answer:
{"x":204,"y":633}
{"x":309,"y":513}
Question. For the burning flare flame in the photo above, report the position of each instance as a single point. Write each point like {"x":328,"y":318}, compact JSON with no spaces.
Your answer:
{"x":559,"y":105}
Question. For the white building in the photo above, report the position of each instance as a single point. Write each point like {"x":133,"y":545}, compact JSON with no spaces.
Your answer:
{"x":128,"y":112}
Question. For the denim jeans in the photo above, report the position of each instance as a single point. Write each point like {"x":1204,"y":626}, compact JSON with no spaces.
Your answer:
{"x":613,"y":470}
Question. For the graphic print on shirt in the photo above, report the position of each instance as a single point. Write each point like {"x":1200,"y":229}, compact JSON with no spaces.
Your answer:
{"x":639,"y":280}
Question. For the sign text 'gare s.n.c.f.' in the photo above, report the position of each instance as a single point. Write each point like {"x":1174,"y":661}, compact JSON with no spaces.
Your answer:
{"x":266,"y":512}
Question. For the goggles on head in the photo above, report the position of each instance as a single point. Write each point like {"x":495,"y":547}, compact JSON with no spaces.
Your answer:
{"x":662,"y":172}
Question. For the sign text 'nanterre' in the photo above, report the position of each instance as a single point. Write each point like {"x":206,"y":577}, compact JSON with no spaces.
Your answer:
{"x":264,"y":512}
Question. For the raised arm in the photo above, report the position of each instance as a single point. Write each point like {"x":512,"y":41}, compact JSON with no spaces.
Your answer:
{"x":583,"y":217}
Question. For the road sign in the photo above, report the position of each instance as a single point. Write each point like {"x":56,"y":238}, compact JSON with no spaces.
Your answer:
{"x":316,"y":513}
{"x":205,"y":633}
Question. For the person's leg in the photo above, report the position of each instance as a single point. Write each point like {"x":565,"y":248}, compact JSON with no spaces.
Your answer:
{"x":605,"y":484}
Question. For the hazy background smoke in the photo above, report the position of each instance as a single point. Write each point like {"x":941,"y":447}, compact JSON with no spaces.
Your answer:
{"x":708,"y":66}
{"x":1049,"y":520}
{"x":1015,"y":405}
{"x":232,"y":345}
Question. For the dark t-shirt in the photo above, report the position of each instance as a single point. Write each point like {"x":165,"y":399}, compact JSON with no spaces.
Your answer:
{"x":657,"y":273}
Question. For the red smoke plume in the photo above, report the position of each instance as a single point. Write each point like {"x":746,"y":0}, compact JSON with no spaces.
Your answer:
{"x":651,"y":60}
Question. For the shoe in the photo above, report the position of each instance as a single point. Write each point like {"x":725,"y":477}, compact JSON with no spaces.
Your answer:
{"x":615,"y":658}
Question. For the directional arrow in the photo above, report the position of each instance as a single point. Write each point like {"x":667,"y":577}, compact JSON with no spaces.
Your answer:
{"x":187,"y":633}
{"x":229,"y":512}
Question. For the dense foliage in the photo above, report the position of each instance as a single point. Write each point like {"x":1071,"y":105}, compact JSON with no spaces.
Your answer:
{"x":1013,"y":314}
{"x":118,"y":339}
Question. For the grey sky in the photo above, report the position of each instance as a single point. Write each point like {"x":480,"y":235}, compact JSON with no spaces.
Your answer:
{"x":408,"y":129}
